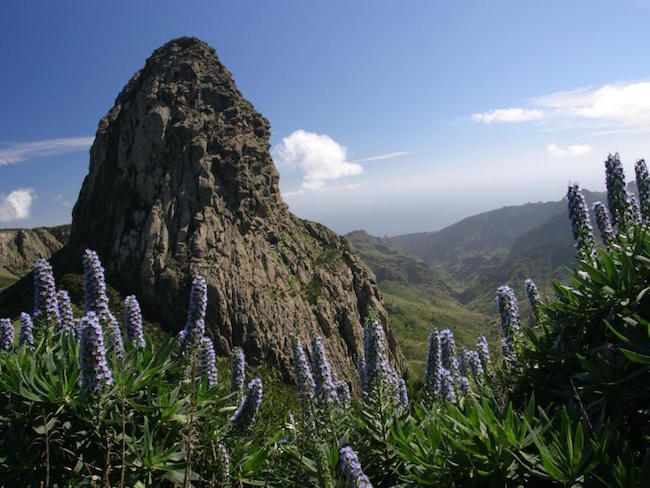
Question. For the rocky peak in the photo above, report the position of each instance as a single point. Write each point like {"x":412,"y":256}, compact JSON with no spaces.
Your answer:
{"x":181,"y":181}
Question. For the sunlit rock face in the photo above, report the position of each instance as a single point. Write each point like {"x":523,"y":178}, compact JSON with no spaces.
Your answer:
{"x":181,"y":182}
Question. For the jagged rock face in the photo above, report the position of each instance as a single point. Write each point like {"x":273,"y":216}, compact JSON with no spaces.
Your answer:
{"x":181,"y":181}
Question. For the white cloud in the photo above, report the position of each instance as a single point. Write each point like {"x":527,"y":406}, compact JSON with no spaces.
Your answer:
{"x":24,"y":151}
{"x":626,"y":103}
{"x":513,"y":114}
{"x":16,"y":205}
{"x":573,"y":150}
{"x":318,"y":156}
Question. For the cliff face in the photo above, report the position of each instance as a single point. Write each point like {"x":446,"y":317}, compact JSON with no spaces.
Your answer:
{"x":20,"y":248}
{"x":181,"y":181}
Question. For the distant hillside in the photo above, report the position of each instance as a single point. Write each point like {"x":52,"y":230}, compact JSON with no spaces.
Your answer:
{"x":490,"y":232}
{"x":503,"y":246}
{"x":20,"y":248}
{"x":418,"y":298}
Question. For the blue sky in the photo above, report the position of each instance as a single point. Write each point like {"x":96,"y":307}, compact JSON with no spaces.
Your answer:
{"x":389,"y":116}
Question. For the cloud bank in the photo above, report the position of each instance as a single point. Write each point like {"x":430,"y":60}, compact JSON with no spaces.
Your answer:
{"x":16,"y":205}
{"x":318,"y":156}
{"x":14,"y":153}
{"x":622,"y":106}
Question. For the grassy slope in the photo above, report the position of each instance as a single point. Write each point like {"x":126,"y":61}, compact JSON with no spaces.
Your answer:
{"x":7,"y":278}
{"x":419,"y":298}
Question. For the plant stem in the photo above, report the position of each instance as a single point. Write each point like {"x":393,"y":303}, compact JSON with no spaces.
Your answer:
{"x":190,"y":425}
{"x":107,"y":462}
{"x":123,"y":446}
{"x":47,"y":455}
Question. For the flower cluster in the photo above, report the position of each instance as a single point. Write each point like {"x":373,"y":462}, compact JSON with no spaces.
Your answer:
{"x":44,"y":290}
{"x":618,"y":199}
{"x":448,"y":358}
{"x":470,"y":364}
{"x":534,"y":298}
{"x":94,"y":369}
{"x":95,"y":285}
{"x":115,"y":335}
{"x":510,"y":325}
{"x":377,"y":369}
{"x":447,"y":392}
{"x":343,"y":393}
{"x":66,"y":318}
{"x":604,"y":224}
{"x":432,"y":376}
{"x":532,"y":292}
{"x":352,"y":469}
{"x":580,"y":224}
{"x":483,"y":352}
{"x":237,"y":369}
{"x":6,"y":335}
{"x":325,"y":387}
{"x":133,"y":321}
{"x":249,"y":405}
{"x":643,"y":187}
{"x":208,"y":361}
{"x":195,"y":325}
{"x":633,"y":213}
{"x":26,"y":337}
{"x":304,"y":378}
{"x":223,"y":466}
{"x":403,"y":393}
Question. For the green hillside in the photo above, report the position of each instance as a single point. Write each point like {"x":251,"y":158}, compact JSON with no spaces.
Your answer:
{"x":419,"y":298}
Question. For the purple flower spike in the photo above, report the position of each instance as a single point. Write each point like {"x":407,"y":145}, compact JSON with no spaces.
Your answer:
{"x":510,"y":325}
{"x":377,"y":368}
{"x":208,"y":361}
{"x":223,"y":466}
{"x":26,"y":337}
{"x":95,"y":285}
{"x":432,"y":377}
{"x":618,"y":199}
{"x":195,"y":325}
{"x":483,"y":352}
{"x":115,"y":335}
{"x":304,"y":378}
{"x":352,"y":469}
{"x":604,"y":224}
{"x":94,"y":369}
{"x":325,"y":388}
{"x":534,"y":298}
{"x":250,"y":404}
{"x":237,"y":370}
{"x":133,"y":321}
{"x":403,"y":394}
{"x":343,"y":393}
{"x":6,"y":335}
{"x":463,"y":386}
{"x":470,"y":364}
{"x":447,"y":392}
{"x":66,"y":318}
{"x":448,"y":357}
{"x":45,"y":301}
{"x":643,"y":186}
{"x":580,"y":223}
